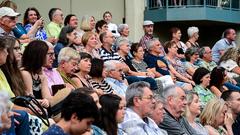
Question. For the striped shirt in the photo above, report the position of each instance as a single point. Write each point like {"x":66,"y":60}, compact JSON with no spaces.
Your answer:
{"x":106,"y":55}
{"x":104,"y":86}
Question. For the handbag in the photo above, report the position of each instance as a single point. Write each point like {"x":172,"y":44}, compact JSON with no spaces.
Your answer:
{"x":32,"y":103}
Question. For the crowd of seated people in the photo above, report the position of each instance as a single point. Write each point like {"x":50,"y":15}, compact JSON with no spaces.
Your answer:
{"x":93,"y":80}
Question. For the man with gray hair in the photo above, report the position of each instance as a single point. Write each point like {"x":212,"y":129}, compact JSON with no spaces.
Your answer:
{"x":68,"y":59}
{"x":140,"y":103}
{"x":205,"y":55}
{"x":174,"y":99}
{"x":115,"y":76}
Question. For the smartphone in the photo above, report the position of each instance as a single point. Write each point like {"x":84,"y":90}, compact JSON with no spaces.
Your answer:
{"x":57,"y":87}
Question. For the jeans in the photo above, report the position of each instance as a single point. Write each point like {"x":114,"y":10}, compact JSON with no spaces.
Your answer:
{"x":231,"y":86}
{"x":151,"y":81}
{"x":23,"y":127}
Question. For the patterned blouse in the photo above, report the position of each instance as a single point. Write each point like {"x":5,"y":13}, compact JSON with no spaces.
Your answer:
{"x":40,"y":34}
{"x":204,"y":94}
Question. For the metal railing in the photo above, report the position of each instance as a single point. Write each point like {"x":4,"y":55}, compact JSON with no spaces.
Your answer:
{"x":221,"y":4}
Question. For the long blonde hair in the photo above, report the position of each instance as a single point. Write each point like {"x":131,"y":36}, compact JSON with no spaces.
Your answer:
{"x":231,"y":53}
{"x":209,"y":113}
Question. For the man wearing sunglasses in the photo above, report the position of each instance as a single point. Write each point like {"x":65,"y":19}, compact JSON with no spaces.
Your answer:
{"x":8,"y":20}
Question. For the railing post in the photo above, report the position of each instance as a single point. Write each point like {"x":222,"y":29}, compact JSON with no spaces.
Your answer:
{"x":167,"y":4}
{"x":204,"y":3}
{"x":230,"y":5}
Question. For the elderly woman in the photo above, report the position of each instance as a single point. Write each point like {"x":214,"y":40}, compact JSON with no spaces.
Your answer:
{"x":193,"y":37}
{"x":123,"y":29}
{"x":157,"y":114}
{"x":215,"y":116}
{"x":192,"y":112}
{"x":177,"y":65}
{"x":191,"y":56}
{"x":89,"y":41}
{"x":171,"y":51}
{"x":201,"y":77}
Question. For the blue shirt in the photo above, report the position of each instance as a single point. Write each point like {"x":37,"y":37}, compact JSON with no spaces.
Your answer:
{"x":118,"y":86}
{"x":152,"y":62}
{"x":54,"y":130}
{"x":221,"y":45}
{"x":133,"y":124}
{"x":40,"y":34}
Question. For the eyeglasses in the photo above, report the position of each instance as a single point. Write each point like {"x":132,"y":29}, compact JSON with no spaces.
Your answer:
{"x":150,"y":97}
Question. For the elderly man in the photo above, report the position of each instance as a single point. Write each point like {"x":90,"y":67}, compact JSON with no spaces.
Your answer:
{"x":8,"y":20}
{"x":115,"y":77}
{"x":228,"y":41}
{"x":55,"y":26}
{"x":68,"y":59}
{"x":140,"y":103}
{"x":232,"y":97}
{"x":174,"y":99}
{"x":205,"y":53}
{"x":148,"y":33}
{"x":106,"y":51}
{"x":155,"y":59}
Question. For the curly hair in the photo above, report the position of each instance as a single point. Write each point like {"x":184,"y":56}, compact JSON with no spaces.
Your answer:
{"x":232,"y":53}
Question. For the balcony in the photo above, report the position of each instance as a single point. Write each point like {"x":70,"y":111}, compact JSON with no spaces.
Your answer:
{"x":226,"y":11}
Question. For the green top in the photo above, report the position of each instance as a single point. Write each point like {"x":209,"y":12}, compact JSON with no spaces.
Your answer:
{"x":204,"y":94}
{"x":209,"y":66}
{"x":53,"y":29}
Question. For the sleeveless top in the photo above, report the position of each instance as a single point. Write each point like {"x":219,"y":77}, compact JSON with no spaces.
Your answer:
{"x":36,"y":87}
{"x":194,"y":45}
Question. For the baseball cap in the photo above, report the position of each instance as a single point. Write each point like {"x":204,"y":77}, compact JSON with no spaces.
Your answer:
{"x":147,"y":22}
{"x":6,"y":11}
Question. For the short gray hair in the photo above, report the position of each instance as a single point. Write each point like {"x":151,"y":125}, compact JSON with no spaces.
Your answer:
{"x":202,"y":51}
{"x":111,"y":64}
{"x":150,"y":43}
{"x":66,"y":54}
{"x":135,"y":90}
{"x":120,"y":41}
{"x":192,"y":30}
{"x":167,"y":92}
{"x":121,"y":27}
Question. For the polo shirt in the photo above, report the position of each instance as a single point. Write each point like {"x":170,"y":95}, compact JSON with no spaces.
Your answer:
{"x":53,"y":30}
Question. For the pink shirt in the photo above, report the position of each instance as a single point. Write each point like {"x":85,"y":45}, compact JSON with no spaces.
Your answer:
{"x":53,"y":77}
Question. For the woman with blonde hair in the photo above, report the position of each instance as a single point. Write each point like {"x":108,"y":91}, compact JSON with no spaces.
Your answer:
{"x":230,"y":61}
{"x":214,"y":116}
{"x":89,"y":41}
{"x":193,"y":109}
{"x":87,"y":23}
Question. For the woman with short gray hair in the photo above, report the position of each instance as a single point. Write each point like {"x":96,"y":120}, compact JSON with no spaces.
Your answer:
{"x":193,"y":34}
